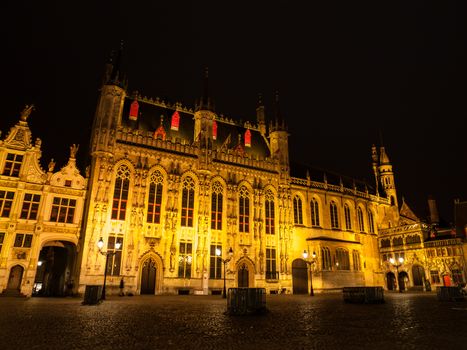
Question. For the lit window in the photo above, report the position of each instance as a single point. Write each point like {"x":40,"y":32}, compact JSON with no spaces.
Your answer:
{"x":216,"y":206}
{"x":185,"y":260}
{"x":63,"y":210}
{"x":244,"y":210}
{"x":114,"y":260}
{"x":30,"y":206}
{"x":271,"y":272}
{"x":215,"y":265}
{"x":120,"y":199}
{"x":12,"y":164}
{"x":269,"y":212}
{"x":188,"y":202}
{"x":155,"y":198}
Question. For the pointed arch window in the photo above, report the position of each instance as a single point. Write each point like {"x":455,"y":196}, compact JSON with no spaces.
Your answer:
{"x":188,"y":202}
{"x":334,"y":215}
{"x":297,"y":210}
{"x":356,"y":260}
{"x":155,"y":197}
{"x":361,"y":223}
{"x":244,"y":209}
{"x":314,"y":212}
{"x":326,"y":258}
{"x":216,"y":206}
{"x":371,"y":223}
{"x":120,"y":198}
{"x":348,"y":221}
{"x":269,"y":212}
{"x":342,"y":259}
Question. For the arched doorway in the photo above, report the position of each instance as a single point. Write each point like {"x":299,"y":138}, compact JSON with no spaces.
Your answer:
{"x":403,"y":279}
{"x":418,"y":275}
{"x":55,"y":270}
{"x":299,"y":277}
{"x":391,"y":281}
{"x":243,"y":276}
{"x":16,"y":276}
{"x":148,"y":277}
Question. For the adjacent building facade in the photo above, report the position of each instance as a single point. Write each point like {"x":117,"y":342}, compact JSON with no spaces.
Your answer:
{"x":40,"y":216}
{"x":195,"y":198}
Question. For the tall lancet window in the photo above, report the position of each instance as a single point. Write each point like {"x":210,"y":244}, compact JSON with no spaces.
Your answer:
{"x":297,"y":210}
{"x":216,"y":206}
{"x":348,"y":221}
{"x":188,"y":202}
{"x":334,"y":215}
{"x":244,"y":209}
{"x":361,"y":223}
{"x":371,"y":223}
{"x":155,"y":197}
{"x":269,"y":212}
{"x":314,"y":205}
{"x":120,"y":199}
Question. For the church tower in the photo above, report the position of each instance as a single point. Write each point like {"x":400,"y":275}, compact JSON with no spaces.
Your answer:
{"x":260,"y":115}
{"x":387,"y":176}
{"x":109,"y":107}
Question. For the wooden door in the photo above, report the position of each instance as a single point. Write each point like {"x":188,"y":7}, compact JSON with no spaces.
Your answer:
{"x":243,"y":276}
{"x":148,"y":277}
{"x":299,"y":277}
{"x":16,"y":275}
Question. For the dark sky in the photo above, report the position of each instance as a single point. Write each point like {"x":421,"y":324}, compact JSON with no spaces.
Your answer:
{"x":344,"y":70}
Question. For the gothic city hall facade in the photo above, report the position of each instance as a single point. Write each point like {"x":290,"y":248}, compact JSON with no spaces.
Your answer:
{"x":184,"y":199}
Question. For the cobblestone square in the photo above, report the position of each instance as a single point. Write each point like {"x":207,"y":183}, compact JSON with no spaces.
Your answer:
{"x":404,"y":321}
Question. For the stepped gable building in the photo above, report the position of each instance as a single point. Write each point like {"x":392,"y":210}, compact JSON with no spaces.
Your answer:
{"x":181,"y":188}
{"x":40,"y":217}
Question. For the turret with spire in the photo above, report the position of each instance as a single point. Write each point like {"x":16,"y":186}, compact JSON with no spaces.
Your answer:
{"x":387,"y":176}
{"x":260,"y":115}
{"x":278,"y":136}
{"x":204,"y":116}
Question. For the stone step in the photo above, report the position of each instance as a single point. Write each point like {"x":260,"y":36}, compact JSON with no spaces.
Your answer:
{"x":12,"y":293}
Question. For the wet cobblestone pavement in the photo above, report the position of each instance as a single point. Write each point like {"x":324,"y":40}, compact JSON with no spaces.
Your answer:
{"x":404,"y":321}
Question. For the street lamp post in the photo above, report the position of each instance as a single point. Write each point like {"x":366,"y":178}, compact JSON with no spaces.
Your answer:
{"x":100,"y":245}
{"x":310,"y":262}
{"x":397,"y":265}
{"x":224,"y":261}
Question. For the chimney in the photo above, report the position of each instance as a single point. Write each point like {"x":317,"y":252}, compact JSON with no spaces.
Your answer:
{"x":434,"y":216}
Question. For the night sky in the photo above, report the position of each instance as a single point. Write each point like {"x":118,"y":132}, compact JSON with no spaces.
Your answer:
{"x":344,"y":71}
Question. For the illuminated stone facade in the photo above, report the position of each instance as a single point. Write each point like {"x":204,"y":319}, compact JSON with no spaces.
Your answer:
{"x":174,"y":185}
{"x":40,"y":216}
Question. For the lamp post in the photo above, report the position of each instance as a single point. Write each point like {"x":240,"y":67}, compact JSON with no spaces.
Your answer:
{"x":397,"y":265}
{"x":100,"y":245}
{"x":224,"y":261}
{"x":310,"y":262}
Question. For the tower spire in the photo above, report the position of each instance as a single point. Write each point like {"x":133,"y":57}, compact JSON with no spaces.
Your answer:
{"x":205,"y":102}
{"x":260,"y":116}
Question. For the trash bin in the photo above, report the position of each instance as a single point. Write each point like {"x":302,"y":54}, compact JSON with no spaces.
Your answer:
{"x":92,"y":294}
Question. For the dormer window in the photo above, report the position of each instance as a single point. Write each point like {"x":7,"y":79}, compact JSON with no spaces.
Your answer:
{"x":67,"y":183}
{"x":12,"y":164}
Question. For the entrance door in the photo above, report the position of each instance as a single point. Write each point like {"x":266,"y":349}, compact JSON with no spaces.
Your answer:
{"x":16,"y":275}
{"x":418,"y":273}
{"x":391,"y":281}
{"x":403,"y":277}
{"x":299,"y":277}
{"x":243,"y":276}
{"x":148,"y":277}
